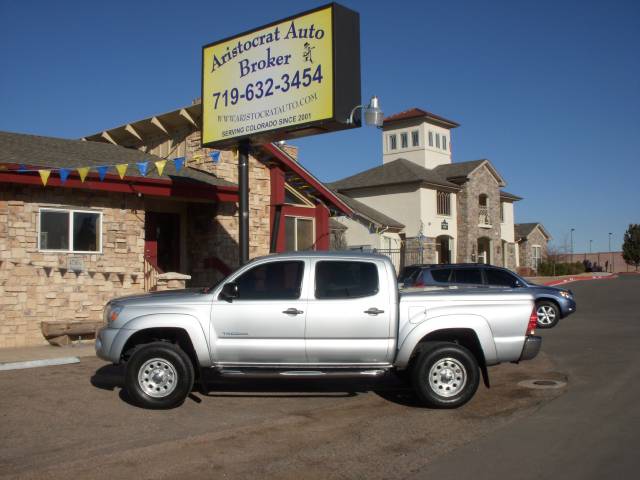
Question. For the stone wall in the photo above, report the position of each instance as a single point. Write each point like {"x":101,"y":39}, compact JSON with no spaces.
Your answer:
{"x":536,"y":237}
{"x":413,"y":245}
{"x":469,"y":231}
{"x":37,"y":286}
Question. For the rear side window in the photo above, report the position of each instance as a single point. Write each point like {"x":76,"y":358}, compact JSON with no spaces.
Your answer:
{"x":500,"y":278}
{"x":468,"y":275}
{"x":441,"y":275}
{"x":346,"y":279}
{"x":271,"y":281}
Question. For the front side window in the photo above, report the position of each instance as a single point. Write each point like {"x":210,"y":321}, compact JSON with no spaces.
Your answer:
{"x":500,"y":278}
{"x":444,"y":203}
{"x":393,"y":142}
{"x":469,"y":276}
{"x":298,"y":234}
{"x":404,"y":140}
{"x":70,"y":230}
{"x":271,"y":281}
{"x":415,"y":138}
{"x":335,"y":279}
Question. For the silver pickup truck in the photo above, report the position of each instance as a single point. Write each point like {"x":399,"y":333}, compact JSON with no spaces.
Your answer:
{"x":316,"y":314}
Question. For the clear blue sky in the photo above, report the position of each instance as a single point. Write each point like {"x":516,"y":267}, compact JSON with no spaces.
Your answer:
{"x":549,"y":91}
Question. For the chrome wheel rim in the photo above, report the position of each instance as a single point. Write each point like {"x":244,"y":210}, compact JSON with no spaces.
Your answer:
{"x":157,"y":378}
{"x":447,"y":377}
{"x":546,"y":314}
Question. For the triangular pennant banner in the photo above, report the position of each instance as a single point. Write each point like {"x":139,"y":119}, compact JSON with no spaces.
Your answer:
{"x":44,"y":176}
{"x":22,"y":168}
{"x":215,"y":156}
{"x":178,"y":163}
{"x":64,"y":174}
{"x":102,"y":172}
{"x":83,"y":172}
{"x":142,"y":167}
{"x":122,"y":169}
{"x":160,"y":166}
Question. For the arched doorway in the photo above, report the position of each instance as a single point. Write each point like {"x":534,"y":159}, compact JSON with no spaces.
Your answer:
{"x":444,"y":247}
{"x":484,"y":250}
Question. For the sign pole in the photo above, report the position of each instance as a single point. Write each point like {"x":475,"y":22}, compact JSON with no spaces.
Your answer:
{"x":243,"y":185}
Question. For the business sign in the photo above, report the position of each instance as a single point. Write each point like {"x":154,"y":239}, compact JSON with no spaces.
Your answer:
{"x":299,"y":76}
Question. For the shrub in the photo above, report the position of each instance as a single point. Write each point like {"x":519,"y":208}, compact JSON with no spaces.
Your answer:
{"x":549,"y":269}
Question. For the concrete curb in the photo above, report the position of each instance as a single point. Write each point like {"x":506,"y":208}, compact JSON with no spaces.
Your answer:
{"x":580,"y":279}
{"x":38,"y":363}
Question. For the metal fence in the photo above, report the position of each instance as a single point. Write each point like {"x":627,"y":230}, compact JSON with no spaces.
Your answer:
{"x":403,"y":257}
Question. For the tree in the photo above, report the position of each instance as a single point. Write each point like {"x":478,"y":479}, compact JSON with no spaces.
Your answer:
{"x":631,"y":245}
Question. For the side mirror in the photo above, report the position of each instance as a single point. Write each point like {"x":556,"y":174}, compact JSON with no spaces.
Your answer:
{"x":229,"y":291}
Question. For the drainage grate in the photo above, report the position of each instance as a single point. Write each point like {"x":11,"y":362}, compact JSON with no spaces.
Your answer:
{"x":542,"y":384}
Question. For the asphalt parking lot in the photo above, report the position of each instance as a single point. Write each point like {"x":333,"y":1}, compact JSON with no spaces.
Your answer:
{"x":74,"y":421}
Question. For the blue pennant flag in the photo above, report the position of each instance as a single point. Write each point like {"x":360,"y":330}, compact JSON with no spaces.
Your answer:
{"x":215,"y":156}
{"x":22,"y":168}
{"x":64,"y":174}
{"x":102,"y":172}
{"x":178,"y":163}
{"x":142,"y":167}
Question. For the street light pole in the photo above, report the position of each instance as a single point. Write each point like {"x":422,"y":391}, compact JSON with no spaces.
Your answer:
{"x":572,"y":230}
{"x":610,"y":253}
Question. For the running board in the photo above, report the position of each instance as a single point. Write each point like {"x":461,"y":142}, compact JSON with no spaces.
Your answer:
{"x":264,"y":373}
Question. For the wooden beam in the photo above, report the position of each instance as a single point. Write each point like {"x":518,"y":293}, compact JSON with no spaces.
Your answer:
{"x":129,"y":128}
{"x":159,"y":124}
{"x":187,"y":115}
{"x":108,"y":137}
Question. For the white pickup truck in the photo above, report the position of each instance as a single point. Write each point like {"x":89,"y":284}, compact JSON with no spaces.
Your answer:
{"x":316,"y":314}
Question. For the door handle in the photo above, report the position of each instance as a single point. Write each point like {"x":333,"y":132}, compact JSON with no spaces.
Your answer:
{"x":292,"y":311}
{"x":373,"y":311}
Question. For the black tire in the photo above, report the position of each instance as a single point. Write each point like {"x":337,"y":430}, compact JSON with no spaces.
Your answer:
{"x":167,"y":379}
{"x":548,"y":314}
{"x":445,"y":375}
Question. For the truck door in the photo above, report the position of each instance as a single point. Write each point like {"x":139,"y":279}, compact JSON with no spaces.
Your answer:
{"x":349,"y":313}
{"x":266,"y":322}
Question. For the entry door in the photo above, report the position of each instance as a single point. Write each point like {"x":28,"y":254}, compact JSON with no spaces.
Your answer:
{"x":266,"y":323}
{"x":350,"y":311}
{"x":162,"y":240}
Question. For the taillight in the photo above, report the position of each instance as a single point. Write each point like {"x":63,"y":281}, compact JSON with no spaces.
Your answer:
{"x":533,"y":323}
{"x":419,"y":282}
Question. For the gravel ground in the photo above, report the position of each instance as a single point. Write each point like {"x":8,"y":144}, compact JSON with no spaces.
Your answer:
{"x":74,"y":421}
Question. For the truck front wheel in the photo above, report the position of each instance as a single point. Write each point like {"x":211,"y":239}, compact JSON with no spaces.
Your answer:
{"x":159,"y":375}
{"x":445,"y":375}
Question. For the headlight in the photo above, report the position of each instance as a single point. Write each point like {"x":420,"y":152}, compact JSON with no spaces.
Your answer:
{"x":111,"y":312}
{"x":565,"y":294}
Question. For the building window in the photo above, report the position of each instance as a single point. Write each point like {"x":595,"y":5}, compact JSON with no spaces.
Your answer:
{"x":501,"y":212}
{"x":536,"y":256}
{"x":484,"y":219}
{"x":415,"y":138}
{"x":404,"y":140}
{"x":437,"y":140}
{"x":299,"y":233}
{"x":393,"y":142}
{"x":444,"y":203}
{"x":444,"y":142}
{"x":431,"y":139}
{"x":70,"y":230}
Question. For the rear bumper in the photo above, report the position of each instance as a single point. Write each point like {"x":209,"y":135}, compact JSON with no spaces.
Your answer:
{"x":531,"y":347}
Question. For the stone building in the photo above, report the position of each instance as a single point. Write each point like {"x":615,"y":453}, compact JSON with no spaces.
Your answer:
{"x":533,"y":240}
{"x":69,"y":246}
{"x":452,"y":211}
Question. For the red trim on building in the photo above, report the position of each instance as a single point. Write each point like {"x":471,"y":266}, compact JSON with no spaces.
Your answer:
{"x":155,"y":187}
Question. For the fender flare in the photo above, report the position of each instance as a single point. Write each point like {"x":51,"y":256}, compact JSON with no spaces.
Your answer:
{"x":476,"y":323}
{"x":182,"y":321}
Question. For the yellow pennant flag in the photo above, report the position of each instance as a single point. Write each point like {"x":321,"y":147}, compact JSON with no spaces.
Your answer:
{"x":44,"y":176}
{"x":83,"y":172}
{"x":160,"y":166}
{"x":122,"y":169}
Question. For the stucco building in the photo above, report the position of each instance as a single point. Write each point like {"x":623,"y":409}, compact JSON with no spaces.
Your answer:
{"x":452,"y":211}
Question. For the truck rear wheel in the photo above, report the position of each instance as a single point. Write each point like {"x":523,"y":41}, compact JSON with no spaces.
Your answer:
{"x":159,"y":375}
{"x":445,"y":375}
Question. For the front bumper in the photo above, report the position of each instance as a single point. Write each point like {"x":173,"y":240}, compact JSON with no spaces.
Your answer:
{"x":567,"y":307}
{"x":104,"y":341}
{"x":531,"y":347}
